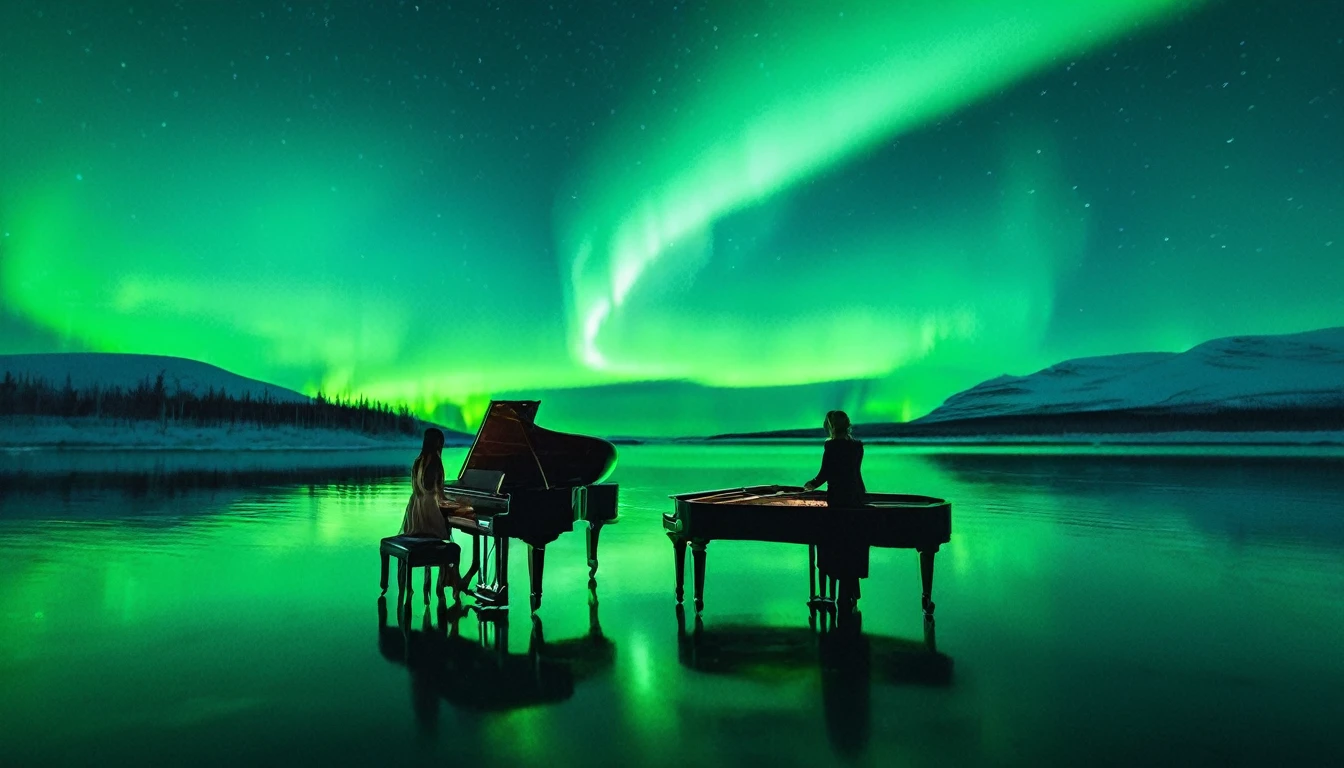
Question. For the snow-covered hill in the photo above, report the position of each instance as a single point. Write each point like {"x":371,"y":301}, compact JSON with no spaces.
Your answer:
{"x":1302,"y":371}
{"x":107,"y":370}
{"x":1285,"y":389}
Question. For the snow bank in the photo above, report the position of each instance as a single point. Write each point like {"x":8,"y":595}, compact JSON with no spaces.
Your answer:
{"x":27,"y":432}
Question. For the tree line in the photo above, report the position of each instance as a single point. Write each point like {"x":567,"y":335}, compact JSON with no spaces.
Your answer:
{"x":156,"y":401}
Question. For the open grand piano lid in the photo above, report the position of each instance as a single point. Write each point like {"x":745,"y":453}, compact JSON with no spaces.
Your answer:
{"x":533,"y":457}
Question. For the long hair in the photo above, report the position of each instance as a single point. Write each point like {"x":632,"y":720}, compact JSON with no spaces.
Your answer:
{"x":429,"y":462}
{"x":837,"y":423}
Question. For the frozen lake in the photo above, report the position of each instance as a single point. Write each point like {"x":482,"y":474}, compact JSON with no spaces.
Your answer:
{"x":1092,"y":607}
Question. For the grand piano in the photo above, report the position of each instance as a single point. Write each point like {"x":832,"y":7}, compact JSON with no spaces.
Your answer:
{"x":791,"y":515}
{"x":529,"y":483}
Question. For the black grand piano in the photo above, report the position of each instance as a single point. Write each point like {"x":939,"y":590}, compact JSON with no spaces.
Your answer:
{"x":791,"y":515}
{"x":530,"y":483}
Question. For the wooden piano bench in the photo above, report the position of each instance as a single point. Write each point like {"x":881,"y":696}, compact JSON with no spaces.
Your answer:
{"x":416,"y":552}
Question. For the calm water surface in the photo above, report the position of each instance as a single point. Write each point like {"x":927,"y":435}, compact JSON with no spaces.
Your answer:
{"x":1099,"y":608}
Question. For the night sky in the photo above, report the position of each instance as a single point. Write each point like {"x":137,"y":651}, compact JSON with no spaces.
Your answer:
{"x":666,"y":218}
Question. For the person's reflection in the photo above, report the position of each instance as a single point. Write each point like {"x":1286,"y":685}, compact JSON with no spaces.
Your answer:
{"x":424,"y":673}
{"x":401,"y":644}
{"x":846,"y":685}
{"x":850,"y":663}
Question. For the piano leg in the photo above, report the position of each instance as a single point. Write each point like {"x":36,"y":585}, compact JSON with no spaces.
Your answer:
{"x":698,"y":556}
{"x":494,"y":633}
{"x":926,"y":575}
{"x":594,"y":528}
{"x":679,"y":563}
{"x":811,"y":573}
{"x":502,"y":569}
{"x":382,"y":582}
{"x":464,"y":583}
{"x":594,"y":624}
{"x":537,"y":642}
{"x":817,"y":582}
{"x":536,"y":559}
{"x":401,"y":581}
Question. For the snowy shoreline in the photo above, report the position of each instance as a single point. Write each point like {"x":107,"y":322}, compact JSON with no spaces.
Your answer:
{"x":20,"y":434}
{"x":47,"y":433}
{"x":1127,"y":439}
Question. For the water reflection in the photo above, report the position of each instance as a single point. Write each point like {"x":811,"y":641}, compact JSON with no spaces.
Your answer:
{"x":478,"y":673}
{"x":1241,"y":497}
{"x":136,"y":483}
{"x":105,"y":462}
{"x":849,"y":660}
{"x":154,"y":484}
{"x":1191,"y":600}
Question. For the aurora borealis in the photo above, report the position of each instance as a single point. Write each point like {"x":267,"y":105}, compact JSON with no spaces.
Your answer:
{"x":666,"y":218}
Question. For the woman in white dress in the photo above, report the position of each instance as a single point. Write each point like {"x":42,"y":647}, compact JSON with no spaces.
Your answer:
{"x":425,"y":511}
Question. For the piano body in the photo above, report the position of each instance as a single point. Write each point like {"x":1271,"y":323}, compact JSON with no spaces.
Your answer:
{"x":791,"y":515}
{"x":529,"y":483}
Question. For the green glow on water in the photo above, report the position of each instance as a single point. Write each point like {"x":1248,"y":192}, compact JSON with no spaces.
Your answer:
{"x":1072,"y":582}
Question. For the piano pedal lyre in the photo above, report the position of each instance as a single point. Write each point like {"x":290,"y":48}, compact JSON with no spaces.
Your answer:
{"x":494,"y":596}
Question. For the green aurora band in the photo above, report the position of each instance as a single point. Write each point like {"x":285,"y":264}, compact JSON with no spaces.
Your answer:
{"x":836,"y":87}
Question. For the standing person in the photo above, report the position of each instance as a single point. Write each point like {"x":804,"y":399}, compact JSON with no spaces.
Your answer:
{"x":424,"y":515}
{"x":841,"y":473}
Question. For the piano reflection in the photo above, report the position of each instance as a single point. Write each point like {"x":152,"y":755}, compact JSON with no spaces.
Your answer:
{"x":791,"y":515}
{"x":529,"y":483}
{"x":475,"y":671}
{"x":852,"y":666}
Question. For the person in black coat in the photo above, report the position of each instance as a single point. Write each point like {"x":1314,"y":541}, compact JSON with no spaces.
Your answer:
{"x":842,"y":474}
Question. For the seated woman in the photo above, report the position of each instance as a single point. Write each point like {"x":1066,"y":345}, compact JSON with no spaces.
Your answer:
{"x":841,"y":473}
{"x":425,"y":511}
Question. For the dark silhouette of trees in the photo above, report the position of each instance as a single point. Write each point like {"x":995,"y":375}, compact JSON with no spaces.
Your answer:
{"x":155,"y":401}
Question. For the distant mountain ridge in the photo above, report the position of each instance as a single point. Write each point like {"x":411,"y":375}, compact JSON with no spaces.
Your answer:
{"x":1301,"y":370}
{"x":1281,"y":383}
{"x":114,"y":369}
{"x":107,"y":399}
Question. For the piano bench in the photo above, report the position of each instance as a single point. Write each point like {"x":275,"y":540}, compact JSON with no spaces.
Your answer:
{"x":416,"y":552}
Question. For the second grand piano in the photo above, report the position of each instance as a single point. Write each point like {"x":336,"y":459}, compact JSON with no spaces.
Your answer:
{"x":791,"y":515}
{"x":530,"y":483}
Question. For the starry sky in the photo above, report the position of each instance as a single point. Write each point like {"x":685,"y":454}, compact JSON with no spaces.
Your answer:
{"x":662,"y":217}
